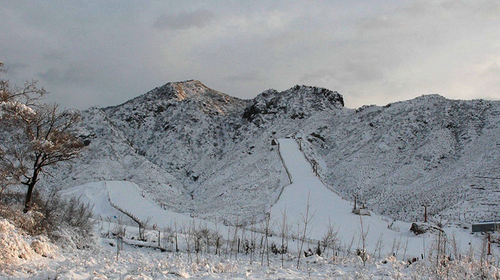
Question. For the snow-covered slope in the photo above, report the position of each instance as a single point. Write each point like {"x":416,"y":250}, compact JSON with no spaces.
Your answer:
{"x":429,"y":150}
{"x":326,"y":208}
{"x":308,"y":199}
{"x":111,"y":156}
{"x":203,"y":152}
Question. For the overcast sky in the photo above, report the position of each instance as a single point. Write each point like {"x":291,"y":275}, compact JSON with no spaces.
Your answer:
{"x":103,"y":53}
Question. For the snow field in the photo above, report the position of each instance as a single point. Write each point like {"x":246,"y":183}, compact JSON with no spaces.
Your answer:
{"x":326,"y":207}
{"x":146,"y":262}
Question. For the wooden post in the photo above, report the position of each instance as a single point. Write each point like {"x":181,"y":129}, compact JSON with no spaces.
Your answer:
{"x":118,"y":244}
{"x":425,"y":213}
{"x":489,"y":245}
{"x":176,"y":244}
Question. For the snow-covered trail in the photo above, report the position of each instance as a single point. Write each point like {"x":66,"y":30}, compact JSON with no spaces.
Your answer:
{"x":127,"y":196}
{"x":133,"y":202}
{"x":327,"y":207}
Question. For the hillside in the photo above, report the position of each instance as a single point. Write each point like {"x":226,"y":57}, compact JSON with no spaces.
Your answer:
{"x":200,"y":151}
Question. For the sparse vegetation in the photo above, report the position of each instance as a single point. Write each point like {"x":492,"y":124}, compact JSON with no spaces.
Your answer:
{"x":68,"y":222}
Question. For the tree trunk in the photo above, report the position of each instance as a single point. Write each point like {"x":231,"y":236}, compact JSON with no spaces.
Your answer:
{"x":31,"y":185}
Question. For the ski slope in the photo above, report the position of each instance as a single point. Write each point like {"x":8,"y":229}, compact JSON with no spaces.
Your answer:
{"x":127,"y":196}
{"x":327,"y":207}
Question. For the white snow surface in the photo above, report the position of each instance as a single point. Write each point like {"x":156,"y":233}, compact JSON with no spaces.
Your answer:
{"x":127,"y":196}
{"x":327,"y":207}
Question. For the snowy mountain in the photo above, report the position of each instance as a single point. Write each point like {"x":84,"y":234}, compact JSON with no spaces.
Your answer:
{"x":197,"y":150}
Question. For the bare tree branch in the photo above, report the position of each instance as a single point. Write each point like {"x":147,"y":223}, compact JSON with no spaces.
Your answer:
{"x":32,"y":136}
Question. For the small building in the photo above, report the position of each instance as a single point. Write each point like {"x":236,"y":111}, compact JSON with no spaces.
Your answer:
{"x":274,"y":142}
{"x":487,"y":226}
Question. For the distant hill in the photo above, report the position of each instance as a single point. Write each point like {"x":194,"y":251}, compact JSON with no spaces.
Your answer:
{"x":196,"y":150}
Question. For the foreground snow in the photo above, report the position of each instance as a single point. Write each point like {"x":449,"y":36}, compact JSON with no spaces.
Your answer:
{"x":102,"y":262}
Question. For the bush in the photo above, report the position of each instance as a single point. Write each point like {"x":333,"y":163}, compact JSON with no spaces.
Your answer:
{"x":30,"y":223}
{"x":16,"y":245}
{"x":68,"y":222}
{"x":12,"y":244}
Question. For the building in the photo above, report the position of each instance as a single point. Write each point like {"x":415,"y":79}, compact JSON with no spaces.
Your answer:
{"x":488,"y":226}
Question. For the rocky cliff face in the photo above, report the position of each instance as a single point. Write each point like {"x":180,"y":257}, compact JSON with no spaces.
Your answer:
{"x":201,"y":151}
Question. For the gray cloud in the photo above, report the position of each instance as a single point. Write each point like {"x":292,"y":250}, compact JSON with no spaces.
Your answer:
{"x":74,"y":74}
{"x":14,"y":68}
{"x":104,"y":53}
{"x":322,"y":74}
{"x":243,"y":77}
{"x":493,"y":69}
{"x":184,"y":20}
{"x":54,"y":55}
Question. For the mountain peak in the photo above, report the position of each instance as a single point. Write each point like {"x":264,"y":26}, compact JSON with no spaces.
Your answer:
{"x":297,"y":102}
{"x":192,"y":89}
{"x":212,"y":101}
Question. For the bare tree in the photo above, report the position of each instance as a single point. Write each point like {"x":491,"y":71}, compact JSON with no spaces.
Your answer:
{"x":187,"y":232}
{"x":228,"y":238}
{"x":15,"y":103}
{"x":119,"y":233}
{"x":331,"y":239}
{"x":266,"y":226}
{"x":168,"y":238}
{"x":306,"y":220}
{"x":176,"y":237}
{"x":362,"y":253}
{"x":217,"y":237}
{"x":143,"y":225}
{"x":284,"y":229}
{"x":196,"y":241}
{"x":236,"y":242}
{"x":379,"y":246}
{"x":33,"y":136}
{"x":253,"y":240}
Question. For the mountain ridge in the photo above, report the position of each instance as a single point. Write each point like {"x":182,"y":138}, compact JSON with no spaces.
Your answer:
{"x":211,"y":155}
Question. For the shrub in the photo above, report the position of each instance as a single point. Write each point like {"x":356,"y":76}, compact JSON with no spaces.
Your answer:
{"x":68,"y":222}
{"x":30,"y":223}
